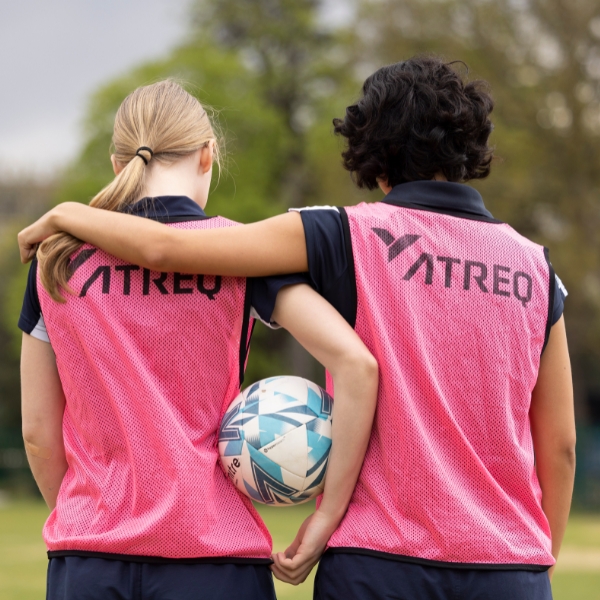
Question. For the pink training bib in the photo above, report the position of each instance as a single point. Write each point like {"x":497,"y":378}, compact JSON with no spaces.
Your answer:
{"x":455,"y":311}
{"x":148,"y":363}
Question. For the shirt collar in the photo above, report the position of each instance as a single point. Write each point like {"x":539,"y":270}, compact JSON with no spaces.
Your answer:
{"x":441,"y":196}
{"x":167,"y":209}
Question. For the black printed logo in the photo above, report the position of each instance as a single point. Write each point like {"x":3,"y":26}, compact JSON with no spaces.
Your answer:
{"x":520,"y":285}
{"x":395,"y":247}
{"x":79,"y":260}
{"x":119,"y":279}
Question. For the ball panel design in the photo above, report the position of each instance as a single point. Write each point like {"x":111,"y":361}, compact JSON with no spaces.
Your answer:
{"x":275,"y":440}
{"x":290,"y":451}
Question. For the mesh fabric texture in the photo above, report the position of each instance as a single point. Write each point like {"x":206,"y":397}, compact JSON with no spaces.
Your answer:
{"x":148,"y":363}
{"x":449,"y":474}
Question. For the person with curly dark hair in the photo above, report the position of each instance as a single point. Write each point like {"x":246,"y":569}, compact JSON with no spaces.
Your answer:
{"x":466,"y":486}
{"x":416,"y":121}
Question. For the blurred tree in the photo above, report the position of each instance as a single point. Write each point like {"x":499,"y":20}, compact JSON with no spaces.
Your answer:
{"x":11,"y":278}
{"x":20,"y":202}
{"x":291,"y":54}
{"x":282,"y":44}
{"x":271,"y":75}
{"x":276,"y":73}
{"x":542,"y":58}
{"x":252,"y":141}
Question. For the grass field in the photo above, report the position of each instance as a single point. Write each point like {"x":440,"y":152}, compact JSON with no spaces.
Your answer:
{"x":23,"y":562}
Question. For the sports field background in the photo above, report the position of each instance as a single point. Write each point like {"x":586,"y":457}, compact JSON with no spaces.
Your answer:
{"x":543,"y":62}
{"x":23,"y":562}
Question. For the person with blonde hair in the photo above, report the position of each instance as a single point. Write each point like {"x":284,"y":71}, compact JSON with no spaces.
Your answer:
{"x":126,"y":373}
{"x":466,"y":486}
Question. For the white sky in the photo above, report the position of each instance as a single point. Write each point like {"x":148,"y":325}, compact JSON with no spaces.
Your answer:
{"x":54,"y":54}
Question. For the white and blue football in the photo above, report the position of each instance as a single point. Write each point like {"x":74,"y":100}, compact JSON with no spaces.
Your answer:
{"x":275,"y":439}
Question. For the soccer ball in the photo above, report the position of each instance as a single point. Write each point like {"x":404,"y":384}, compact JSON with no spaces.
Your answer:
{"x":275,"y":438}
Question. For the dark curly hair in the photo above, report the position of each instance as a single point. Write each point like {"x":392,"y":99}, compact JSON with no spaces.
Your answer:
{"x":416,"y":119}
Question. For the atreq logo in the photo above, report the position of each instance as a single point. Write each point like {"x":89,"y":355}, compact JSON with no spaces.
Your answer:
{"x":118,"y":279}
{"x":502,"y":283}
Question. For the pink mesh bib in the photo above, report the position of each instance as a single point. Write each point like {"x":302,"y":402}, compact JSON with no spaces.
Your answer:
{"x":148,"y":363}
{"x":455,"y":311}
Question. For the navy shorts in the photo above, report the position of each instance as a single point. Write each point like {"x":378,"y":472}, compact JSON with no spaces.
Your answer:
{"x":78,"y":578}
{"x":362,"y":577}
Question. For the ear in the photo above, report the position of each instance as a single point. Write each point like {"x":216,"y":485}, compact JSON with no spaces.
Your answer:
{"x":383,"y":185}
{"x":206,"y":157}
{"x":117,"y":167}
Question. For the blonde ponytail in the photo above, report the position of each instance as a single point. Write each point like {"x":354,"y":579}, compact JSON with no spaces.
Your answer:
{"x":159,"y":122}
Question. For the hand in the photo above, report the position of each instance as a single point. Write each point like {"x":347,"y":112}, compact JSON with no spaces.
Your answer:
{"x":30,"y":237}
{"x":294,"y":565}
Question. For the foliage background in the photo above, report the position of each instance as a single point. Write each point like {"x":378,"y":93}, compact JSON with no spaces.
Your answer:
{"x":278,"y":71}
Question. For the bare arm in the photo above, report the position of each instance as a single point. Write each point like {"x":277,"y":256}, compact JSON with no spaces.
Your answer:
{"x":271,"y":247}
{"x":553,"y":429}
{"x":43,"y":406}
{"x":327,"y":336}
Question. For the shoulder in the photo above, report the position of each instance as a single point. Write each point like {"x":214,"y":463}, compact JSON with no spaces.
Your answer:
{"x":218,"y":221}
{"x":330,"y":261}
{"x":325,"y":243}
{"x":560,"y":286}
{"x":264,"y":291}
{"x":524,"y":242}
{"x":202,"y":222}
{"x":321,"y":220}
{"x":558,"y":302}
{"x":315,"y":208}
{"x":31,"y":320}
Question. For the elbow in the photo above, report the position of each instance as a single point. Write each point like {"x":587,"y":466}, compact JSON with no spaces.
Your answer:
{"x":38,"y":442}
{"x":33,"y":432}
{"x":564,"y":452}
{"x":566,"y":447}
{"x":361,"y":366}
{"x":371,"y":367}
{"x":155,"y":255}
{"x":566,"y":461}
{"x":569,"y":454}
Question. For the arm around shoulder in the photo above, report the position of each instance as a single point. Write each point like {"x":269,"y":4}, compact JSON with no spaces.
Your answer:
{"x":270,"y":247}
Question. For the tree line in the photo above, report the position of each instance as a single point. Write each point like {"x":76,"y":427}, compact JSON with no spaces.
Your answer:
{"x":277,"y":72}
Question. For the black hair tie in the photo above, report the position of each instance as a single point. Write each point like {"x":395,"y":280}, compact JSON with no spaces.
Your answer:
{"x":137,"y":153}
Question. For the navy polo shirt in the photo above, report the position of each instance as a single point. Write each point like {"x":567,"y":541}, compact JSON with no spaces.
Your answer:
{"x":164,"y":209}
{"x":329,"y":258}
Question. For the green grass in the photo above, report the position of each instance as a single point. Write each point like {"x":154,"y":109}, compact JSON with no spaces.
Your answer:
{"x":578,"y":572}
{"x":283,"y":523}
{"x":22,"y":552}
{"x":23,"y":559}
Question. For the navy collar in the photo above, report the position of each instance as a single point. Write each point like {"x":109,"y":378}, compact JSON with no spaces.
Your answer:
{"x":455,"y":199}
{"x":167,"y":209}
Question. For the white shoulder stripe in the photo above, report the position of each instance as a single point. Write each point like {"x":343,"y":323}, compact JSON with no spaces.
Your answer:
{"x":314,"y":208}
{"x":254,"y":314}
{"x":39,"y":331}
{"x":561,"y":286}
